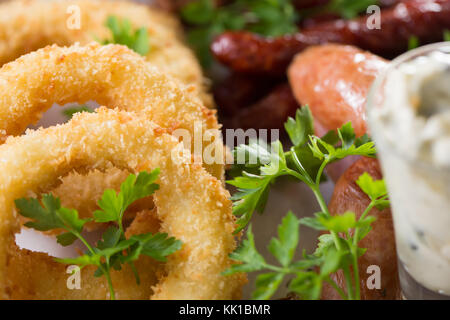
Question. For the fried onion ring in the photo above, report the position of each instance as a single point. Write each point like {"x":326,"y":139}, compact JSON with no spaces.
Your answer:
{"x":82,"y":191}
{"x":112,"y":75}
{"x":192,"y":205}
{"x":28,"y":25}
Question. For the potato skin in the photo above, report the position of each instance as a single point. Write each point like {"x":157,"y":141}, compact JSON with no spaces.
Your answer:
{"x":380,"y":241}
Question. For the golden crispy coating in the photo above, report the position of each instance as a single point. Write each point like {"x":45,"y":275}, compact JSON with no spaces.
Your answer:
{"x":36,"y":276}
{"x":27,"y":25}
{"x":112,"y":75}
{"x":192,"y":205}
{"x":21,"y":284}
{"x":81,"y":191}
{"x":144,"y":222}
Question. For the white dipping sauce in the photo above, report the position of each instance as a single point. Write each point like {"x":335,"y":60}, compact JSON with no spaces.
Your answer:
{"x":411,"y":127}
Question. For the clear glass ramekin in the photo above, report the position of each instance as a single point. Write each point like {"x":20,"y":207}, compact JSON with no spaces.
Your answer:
{"x":420,"y":198}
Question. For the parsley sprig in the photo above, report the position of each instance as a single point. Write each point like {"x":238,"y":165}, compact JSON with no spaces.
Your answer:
{"x":113,"y":250}
{"x":122,"y":33}
{"x":349,"y":9}
{"x":447,"y":35}
{"x":266,"y":17}
{"x":306,"y":162}
{"x":413,"y":43}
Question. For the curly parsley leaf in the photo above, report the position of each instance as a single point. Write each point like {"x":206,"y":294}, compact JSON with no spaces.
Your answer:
{"x":253,"y":190}
{"x":110,"y":238}
{"x":114,"y":205}
{"x":157,"y":246}
{"x":113,"y":249}
{"x":283,"y":248}
{"x":307,"y":284}
{"x":304,"y":282}
{"x":305,"y":162}
{"x":266,"y":285}
{"x":375,"y":189}
{"x":300,"y":128}
{"x":45,"y":216}
{"x":81,"y":261}
{"x":122,"y":33}
{"x":50,"y":215}
{"x":328,"y":152}
{"x":248,"y":255}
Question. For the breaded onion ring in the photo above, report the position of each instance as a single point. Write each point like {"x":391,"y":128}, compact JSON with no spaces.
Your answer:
{"x":192,"y":205}
{"x":28,"y":25}
{"x":112,"y":75}
{"x":82,"y":191}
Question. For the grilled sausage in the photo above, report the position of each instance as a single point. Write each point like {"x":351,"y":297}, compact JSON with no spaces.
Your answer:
{"x":380,"y":241}
{"x":247,"y":52}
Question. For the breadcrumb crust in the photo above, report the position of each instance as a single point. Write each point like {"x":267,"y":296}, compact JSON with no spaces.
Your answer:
{"x":27,"y":25}
{"x":191,"y":204}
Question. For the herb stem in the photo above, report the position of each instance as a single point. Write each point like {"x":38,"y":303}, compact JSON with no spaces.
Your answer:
{"x":320,"y":172}
{"x":336,"y":239}
{"x":298,"y":176}
{"x":306,"y":178}
{"x":278,"y":269}
{"x":104,"y":271}
{"x":363,"y":215}
{"x":336,"y":287}
{"x":355,"y":251}
{"x":356,"y":272}
{"x":348,"y":281}
{"x":81,"y":238}
{"x":110,"y":286}
{"x":324,"y":208}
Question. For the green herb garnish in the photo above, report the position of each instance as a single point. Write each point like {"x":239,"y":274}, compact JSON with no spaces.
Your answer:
{"x":122,"y":33}
{"x":113,"y":250}
{"x":265,"y":17}
{"x":447,"y":35}
{"x":305,"y":162}
{"x":349,"y":9}
{"x":69,"y":112}
{"x":413,"y":42}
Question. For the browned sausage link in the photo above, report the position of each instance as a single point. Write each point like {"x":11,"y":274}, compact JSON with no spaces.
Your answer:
{"x":307,"y":4}
{"x":425,"y":19}
{"x":237,"y":91}
{"x":269,"y":113}
{"x":379,"y":242}
{"x":247,"y":52}
{"x":319,"y":16}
